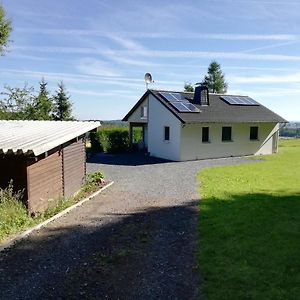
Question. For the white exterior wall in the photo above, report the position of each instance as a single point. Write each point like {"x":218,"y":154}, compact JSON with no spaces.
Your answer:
{"x":159,"y":117}
{"x":135,"y":117}
{"x":192,"y":148}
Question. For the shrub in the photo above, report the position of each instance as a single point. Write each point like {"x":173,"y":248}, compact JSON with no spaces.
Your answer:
{"x":111,"y":139}
{"x":118,"y":141}
{"x":95,"y":145}
{"x":13,"y":213}
{"x":93,"y":179}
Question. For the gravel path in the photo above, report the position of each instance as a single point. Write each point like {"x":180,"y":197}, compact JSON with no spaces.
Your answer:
{"x":137,"y":240}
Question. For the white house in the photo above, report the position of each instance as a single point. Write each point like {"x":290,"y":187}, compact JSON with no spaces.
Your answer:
{"x":183,"y":126}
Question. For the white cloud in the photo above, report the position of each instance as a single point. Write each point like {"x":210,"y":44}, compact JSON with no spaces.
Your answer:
{"x":162,"y":53}
{"x":290,"y":78}
{"x":158,"y":35}
{"x":97,"y":67}
{"x":127,"y":43}
{"x":270,"y":46}
{"x":205,"y":54}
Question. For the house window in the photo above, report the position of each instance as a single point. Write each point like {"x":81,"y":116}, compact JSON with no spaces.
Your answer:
{"x":226,"y":133}
{"x":253,"y":133}
{"x":205,"y":134}
{"x":167,"y":133}
{"x":144,"y":112}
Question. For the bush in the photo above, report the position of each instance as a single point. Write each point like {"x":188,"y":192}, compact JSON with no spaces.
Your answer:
{"x":95,"y":145}
{"x":13,"y":213}
{"x":93,"y":180}
{"x":111,"y":139}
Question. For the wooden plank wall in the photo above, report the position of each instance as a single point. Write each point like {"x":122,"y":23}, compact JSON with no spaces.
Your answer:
{"x":14,"y":168}
{"x":74,"y":169}
{"x":45,"y":182}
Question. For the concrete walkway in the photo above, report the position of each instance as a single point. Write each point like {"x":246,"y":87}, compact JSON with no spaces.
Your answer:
{"x":137,"y":240}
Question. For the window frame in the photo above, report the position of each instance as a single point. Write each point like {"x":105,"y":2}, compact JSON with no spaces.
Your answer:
{"x":205,"y":135}
{"x":144,"y":112}
{"x":255,"y":138}
{"x":226,"y":138}
{"x":167,"y":134}
{"x":204,"y":97}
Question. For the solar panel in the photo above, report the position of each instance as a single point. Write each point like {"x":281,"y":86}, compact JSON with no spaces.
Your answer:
{"x":180,"y":106}
{"x":178,"y":97}
{"x":191,"y":107}
{"x":179,"y":102}
{"x":239,"y":100}
{"x":168,"y":96}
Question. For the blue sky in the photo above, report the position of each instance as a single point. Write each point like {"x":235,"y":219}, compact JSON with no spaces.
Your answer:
{"x":102,"y":49}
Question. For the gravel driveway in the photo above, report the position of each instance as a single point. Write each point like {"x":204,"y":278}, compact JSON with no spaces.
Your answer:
{"x":136,"y":240}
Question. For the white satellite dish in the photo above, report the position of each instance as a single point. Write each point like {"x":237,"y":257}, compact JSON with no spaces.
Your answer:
{"x":148,"y":79}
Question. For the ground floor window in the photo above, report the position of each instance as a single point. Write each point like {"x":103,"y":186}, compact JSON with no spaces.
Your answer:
{"x":205,"y":134}
{"x":167,"y":133}
{"x":226,"y":133}
{"x":253,"y":133}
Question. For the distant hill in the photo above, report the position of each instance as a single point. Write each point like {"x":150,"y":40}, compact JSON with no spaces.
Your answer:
{"x":118,"y":123}
{"x":291,"y":129}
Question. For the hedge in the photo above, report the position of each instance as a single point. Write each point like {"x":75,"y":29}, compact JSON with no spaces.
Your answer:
{"x":113,"y":139}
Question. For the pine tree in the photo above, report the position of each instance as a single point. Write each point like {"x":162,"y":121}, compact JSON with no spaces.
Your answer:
{"x":62,"y":105}
{"x":215,"y":79}
{"x":43,"y":104}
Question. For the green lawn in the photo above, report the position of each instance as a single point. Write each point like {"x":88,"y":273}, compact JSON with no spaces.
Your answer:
{"x":249,"y":228}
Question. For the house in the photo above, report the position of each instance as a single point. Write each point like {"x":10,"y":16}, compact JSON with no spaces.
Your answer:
{"x":182,"y":126}
{"x":45,"y":159}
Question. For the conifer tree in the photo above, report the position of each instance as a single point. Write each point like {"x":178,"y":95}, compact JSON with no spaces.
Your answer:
{"x":43,"y":105}
{"x":62,"y":106}
{"x":215,"y":79}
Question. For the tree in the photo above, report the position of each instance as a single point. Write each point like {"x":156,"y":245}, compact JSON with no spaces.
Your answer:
{"x":62,"y":105}
{"x":215,"y":79}
{"x":42,"y":107}
{"x":16,"y":103}
{"x":188,"y":87}
{"x":5,"y":30}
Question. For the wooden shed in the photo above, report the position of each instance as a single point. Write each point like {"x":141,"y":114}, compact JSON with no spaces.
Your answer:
{"x":45,"y":159}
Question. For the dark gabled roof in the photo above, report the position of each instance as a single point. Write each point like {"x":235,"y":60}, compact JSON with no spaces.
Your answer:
{"x":218,"y":111}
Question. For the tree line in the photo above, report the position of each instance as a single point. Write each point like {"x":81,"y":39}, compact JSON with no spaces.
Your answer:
{"x":25,"y":104}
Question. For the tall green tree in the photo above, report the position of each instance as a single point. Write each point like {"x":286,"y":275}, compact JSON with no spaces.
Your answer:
{"x":188,"y":87}
{"x":42,"y":107}
{"x":5,"y":30}
{"x":62,"y":106}
{"x":16,"y":103}
{"x":215,"y":79}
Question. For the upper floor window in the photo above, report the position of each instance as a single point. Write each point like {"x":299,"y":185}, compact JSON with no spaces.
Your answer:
{"x":205,"y":134}
{"x":144,"y":112}
{"x":226,"y":133}
{"x":253,"y":133}
{"x":167,"y":133}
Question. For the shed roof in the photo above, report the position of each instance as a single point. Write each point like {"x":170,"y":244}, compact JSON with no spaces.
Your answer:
{"x":218,"y":111}
{"x":37,"y":137}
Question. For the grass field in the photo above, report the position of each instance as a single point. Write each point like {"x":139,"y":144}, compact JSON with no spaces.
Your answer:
{"x":250,"y":228}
